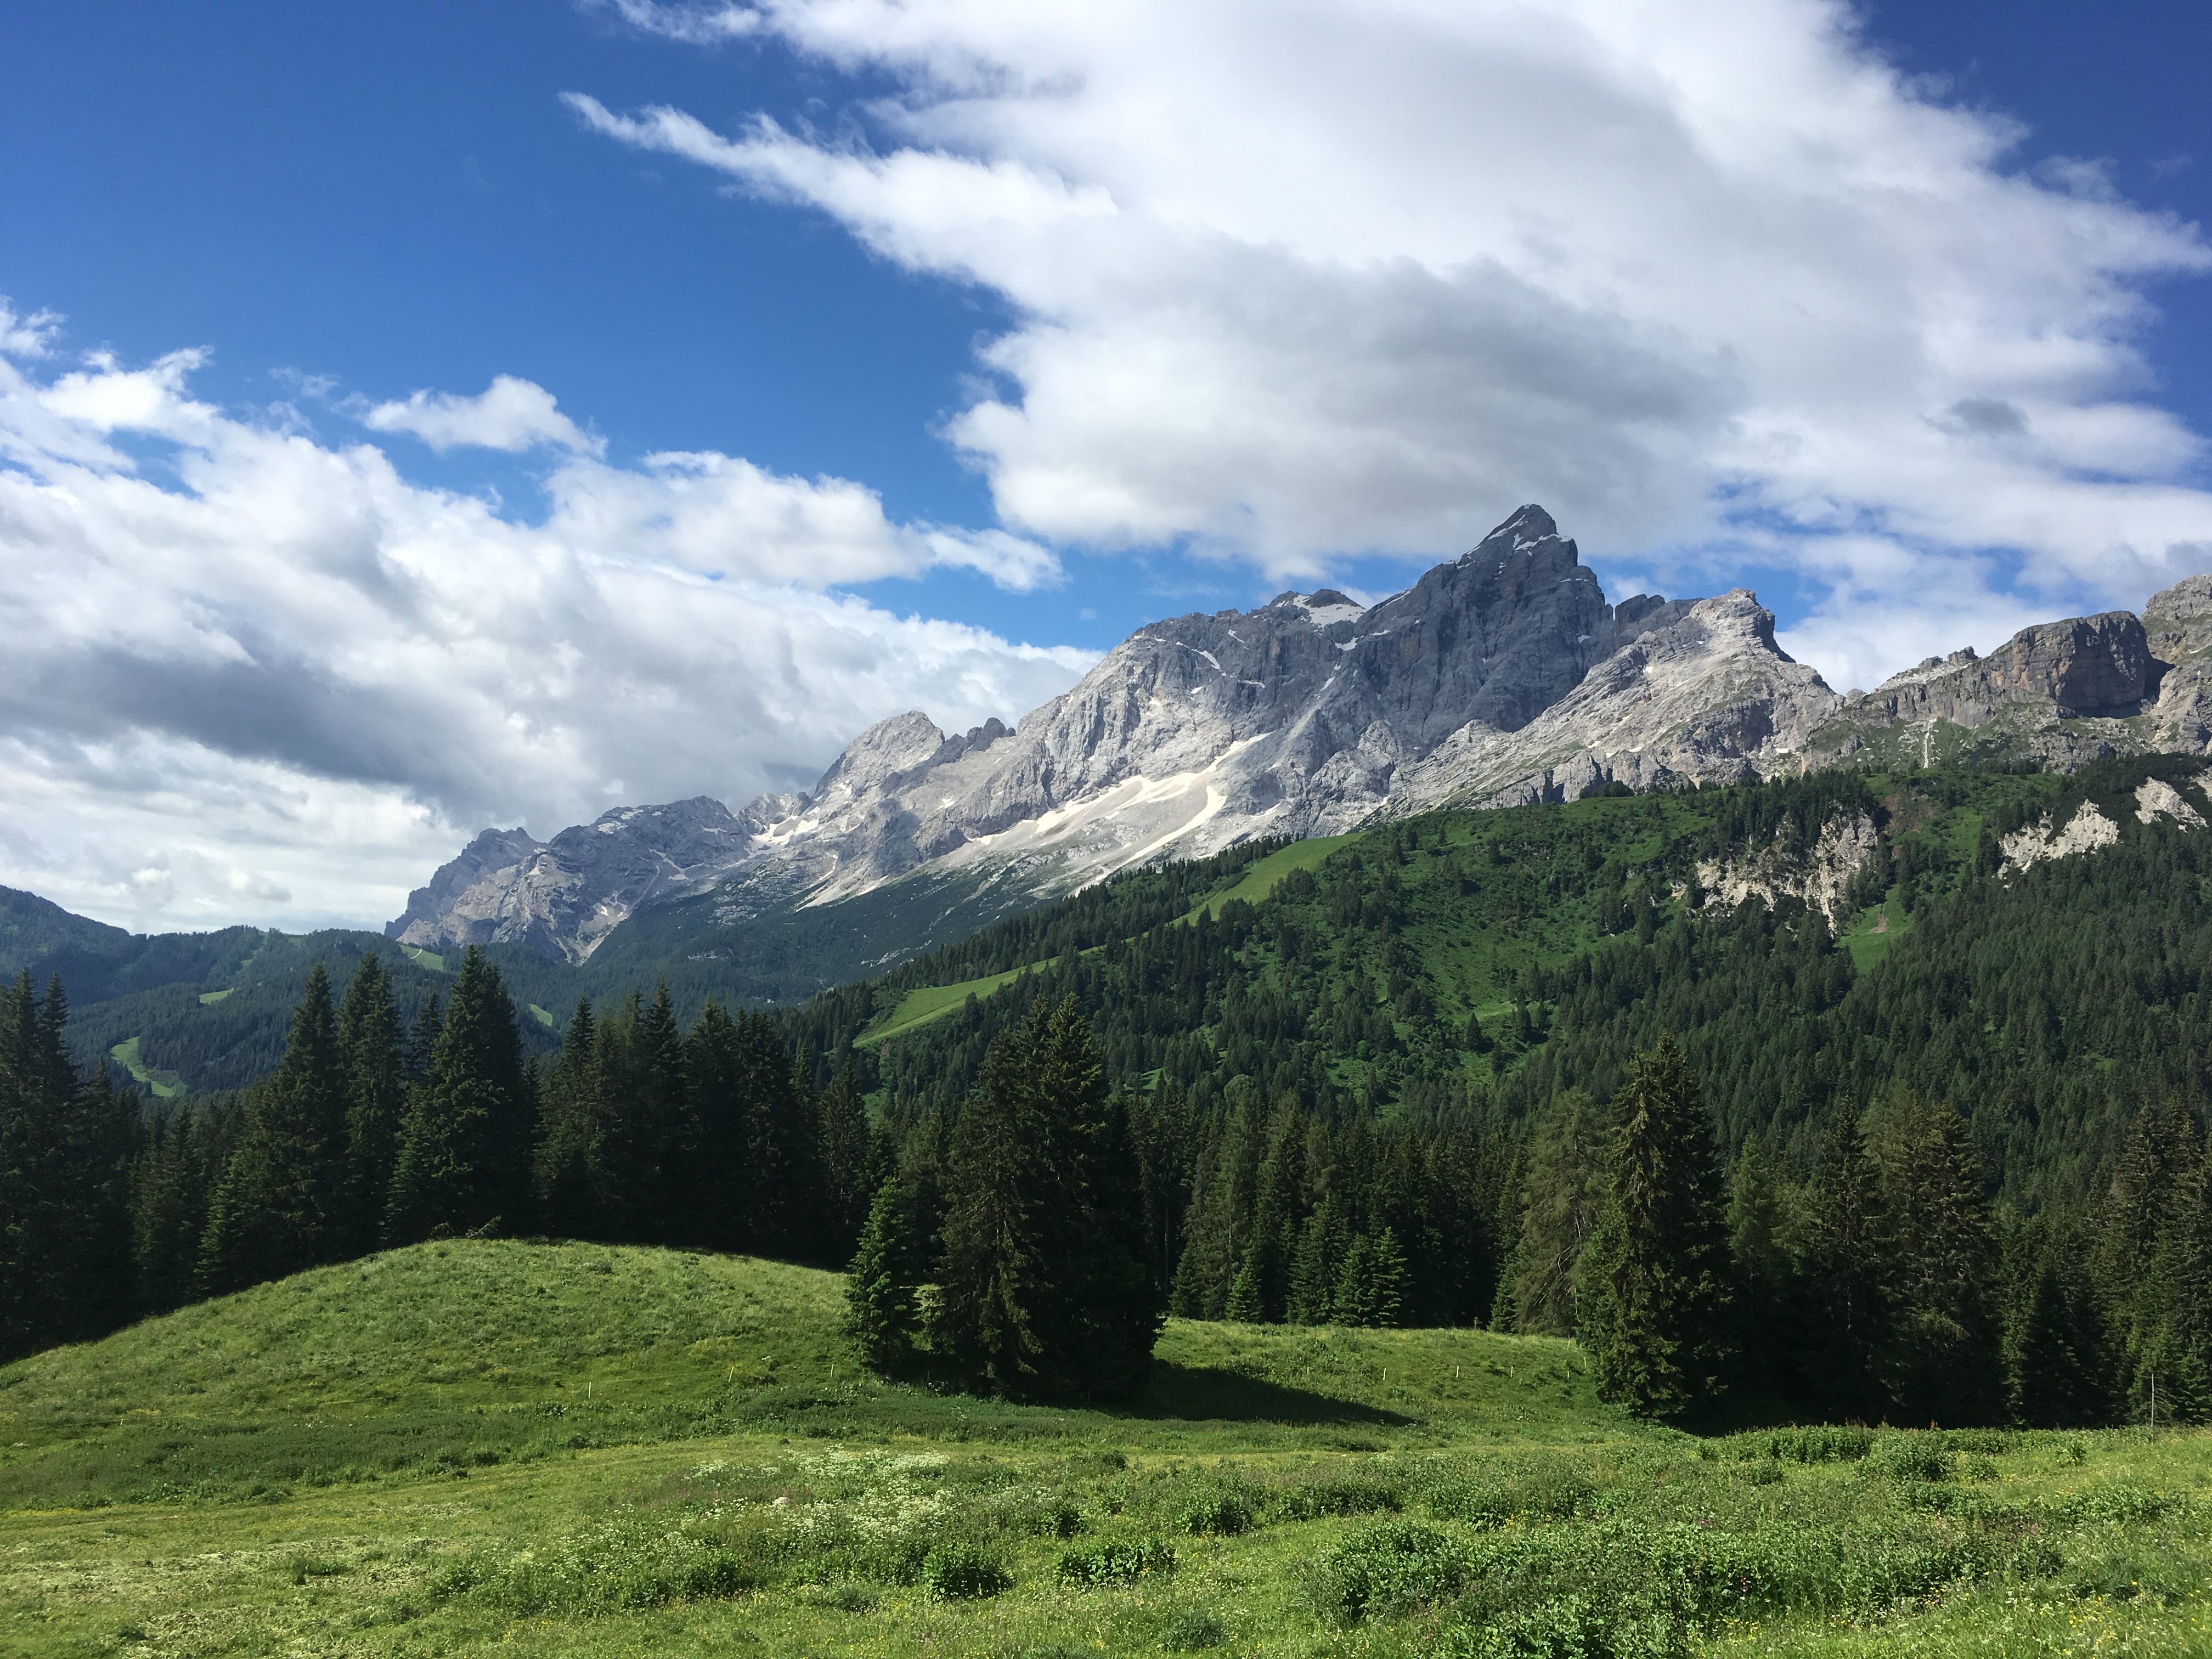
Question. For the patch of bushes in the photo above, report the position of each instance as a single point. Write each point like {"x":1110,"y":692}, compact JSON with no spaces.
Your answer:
{"x":1218,"y":1515}
{"x":959,"y":1571}
{"x":631,"y":1562}
{"x":1115,"y":1562}
{"x":1385,"y":1570}
{"x":1311,"y":1500}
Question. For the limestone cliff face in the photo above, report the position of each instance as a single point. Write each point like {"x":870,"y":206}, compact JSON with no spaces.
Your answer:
{"x":2061,"y":694}
{"x":564,"y":896}
{"x":1706,"y":696}
{"x":2178,"y":631}
{"x":1820,"y":876}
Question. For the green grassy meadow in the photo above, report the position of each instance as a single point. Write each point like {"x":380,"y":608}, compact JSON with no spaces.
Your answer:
{"x":474,"y":1447}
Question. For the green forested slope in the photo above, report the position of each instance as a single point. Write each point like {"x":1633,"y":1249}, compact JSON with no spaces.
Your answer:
{"x":1494,"y":960}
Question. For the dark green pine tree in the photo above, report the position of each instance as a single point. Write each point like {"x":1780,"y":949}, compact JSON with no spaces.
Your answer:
{"x":758,"y":1173}
{"x":1323,"y":1243}
{"x":2156,"y":1163}
{"x":567,"y":1159}
{"x":998,"y":1310}
{"x":1945,"y":1325}
{"x":1845,"y":1321}
{"x":1765,"y":1288}
{"x":1563,"y":1186}
{"x":374,"y":1058}
{"x":466,"y":1142}
{"x":2056,"y":1372}
{"x":1045,"y":1288}
{"x":642,"y":1147}
{"x":882,"y":1311}
{"x":850,"y":1161}
{"x":1654,"y":1304}
{"x":170,"y":1198}
{"x":2174,"y":1341}
{"x":1371,"y":1289}
{"x":422,"y":1038}
{"x":281,"y":1203}
{"x":1120,"y":1305}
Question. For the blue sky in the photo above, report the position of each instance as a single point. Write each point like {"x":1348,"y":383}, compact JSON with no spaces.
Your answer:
{"x":1151,"y":344}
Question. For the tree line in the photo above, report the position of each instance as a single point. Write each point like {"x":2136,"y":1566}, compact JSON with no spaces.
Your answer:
{"x":379,"y":1128}
{"x":1880,"y":1286}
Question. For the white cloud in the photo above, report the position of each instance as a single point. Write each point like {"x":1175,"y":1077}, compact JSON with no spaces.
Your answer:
{"x":26,"y":337}
{"x":280,"y":682}
{"x":1299,"y":279}
{"x":511,"y":414}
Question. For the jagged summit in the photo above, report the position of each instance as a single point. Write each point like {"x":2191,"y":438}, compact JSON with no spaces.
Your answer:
{"x":1499,"y":678}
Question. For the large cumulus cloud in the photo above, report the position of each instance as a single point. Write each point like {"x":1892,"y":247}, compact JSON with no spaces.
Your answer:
{"x":258,"y":675}
{"x":1716,"y":283}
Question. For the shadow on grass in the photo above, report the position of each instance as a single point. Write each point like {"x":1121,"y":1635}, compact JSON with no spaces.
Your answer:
{"x":1209,"y":1394}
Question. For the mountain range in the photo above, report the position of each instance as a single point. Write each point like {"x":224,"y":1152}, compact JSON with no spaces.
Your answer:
{"x":1503,"y":678}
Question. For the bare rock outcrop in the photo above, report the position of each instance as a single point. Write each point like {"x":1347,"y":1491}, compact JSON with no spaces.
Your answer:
{"x":1706,"y":697}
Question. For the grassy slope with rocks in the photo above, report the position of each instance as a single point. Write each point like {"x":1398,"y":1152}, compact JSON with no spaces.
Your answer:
{"x":579,"y":1450}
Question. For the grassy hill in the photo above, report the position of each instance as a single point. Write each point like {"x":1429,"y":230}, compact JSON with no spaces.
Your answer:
{"x":577,"y":1450}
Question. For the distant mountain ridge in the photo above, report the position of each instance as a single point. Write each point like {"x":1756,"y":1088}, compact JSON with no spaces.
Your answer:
{"x":1503,"y":678}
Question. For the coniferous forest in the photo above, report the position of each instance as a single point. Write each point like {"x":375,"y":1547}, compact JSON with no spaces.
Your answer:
{"x":1933,"y":1153}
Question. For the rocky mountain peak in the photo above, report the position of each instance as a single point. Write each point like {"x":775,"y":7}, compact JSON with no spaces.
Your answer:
{"x":1501,"y":677}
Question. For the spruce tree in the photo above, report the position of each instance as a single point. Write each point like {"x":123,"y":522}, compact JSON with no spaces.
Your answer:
{"x":1353,"y":1302}
{"x":2174,"y":1341}
{"x":1323,"y":1243}
{"x":282,"y":1204}
{"x":567,"y":1157}
{"x":1945,"y":1322}
{"x":1244,"y":1304}
{"x":1845,"y":1326}
{"x":1045,"y":1287}
{"x":2156,"y":1163}
{"x":1655,"y":1300}
{"x":882,"y":1316}
{"x":169,"y":1195}
{"x":1387,"y":1280}
{"x":464,"y":1145}
{"x":375,"y":1065}
{"x":2054,"y":1357}
{"x":998,"y":1311}
{"x":849,"y":1159}
{"x":1563,"y":1186}
{"x":1762,"y":1276}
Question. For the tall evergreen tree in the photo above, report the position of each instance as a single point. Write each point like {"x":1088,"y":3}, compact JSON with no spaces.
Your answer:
{"x":422,"y":1038}
{"x":1762,"y":1279}
{"x":375,"y":1064}
{"x":882,"y":1314}
{"x":2172,"y":1350}
{"x":566,"y":1166}
{"x":1846,"y":1277}
{"x":2054,"y":1359}
{"x":1654,"y":1298}
{"x":2148,"y":1186}
{"x":1946,"y":1327}
{"x":1045,"y":1288}
{"x":464,"y":1145}
{"x":281,"y":1204}
{"x":1565,"y":1181}
{"x":849,"y":1160}
{"x":169,"y":1197}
